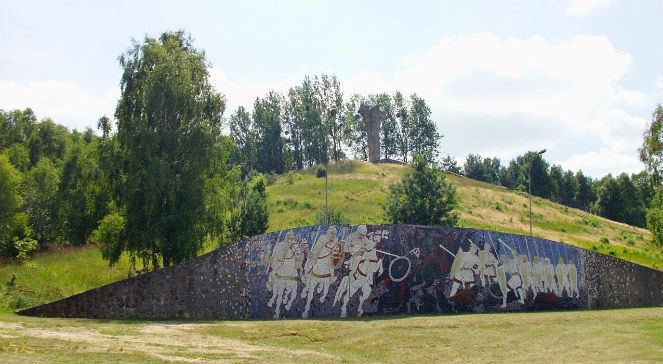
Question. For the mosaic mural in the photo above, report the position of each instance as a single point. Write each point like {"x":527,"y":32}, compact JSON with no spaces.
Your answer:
{"x":379,"y":270}
{"x":342,"y":270}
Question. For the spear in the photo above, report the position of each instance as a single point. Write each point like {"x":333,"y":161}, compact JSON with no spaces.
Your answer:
{"x":448,"y":251}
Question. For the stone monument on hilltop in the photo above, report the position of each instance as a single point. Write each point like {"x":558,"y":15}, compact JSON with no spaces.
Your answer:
{"x":373,"y":117}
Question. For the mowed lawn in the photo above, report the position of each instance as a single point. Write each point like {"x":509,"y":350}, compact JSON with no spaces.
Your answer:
{"x":606,"y":336}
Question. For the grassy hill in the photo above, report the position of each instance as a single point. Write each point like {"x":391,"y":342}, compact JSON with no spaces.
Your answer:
{"x":357,"y":189}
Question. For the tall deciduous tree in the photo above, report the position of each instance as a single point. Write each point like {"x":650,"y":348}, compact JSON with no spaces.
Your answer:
{"x":243,"y":134}
{"x":269,"y":141}
{"x":651,"y":151}
{"x":168,"y":133}
{"x":424,"y":135}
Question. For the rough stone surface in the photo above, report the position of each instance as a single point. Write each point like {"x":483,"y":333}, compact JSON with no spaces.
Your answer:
{"x":330,"y":271}
{"x":373,"y":117}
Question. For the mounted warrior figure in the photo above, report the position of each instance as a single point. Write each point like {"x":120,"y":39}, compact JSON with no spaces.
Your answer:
{"x":325,"y":256}
{"x":286,"y":264}
{"x":362,"y":266}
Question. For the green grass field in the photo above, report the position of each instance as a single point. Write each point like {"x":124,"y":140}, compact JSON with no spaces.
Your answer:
{"x":607,"y":336}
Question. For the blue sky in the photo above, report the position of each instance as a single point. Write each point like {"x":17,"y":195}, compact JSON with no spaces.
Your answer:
{"x":578,"y":77}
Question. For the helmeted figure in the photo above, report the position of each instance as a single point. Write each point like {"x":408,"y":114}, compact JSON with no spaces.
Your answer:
{"x":285,"y":267}
{"x":526,"y":274}
{"x":325,"y":256}
{"x":463,"y":269}
{"x":515,"y":282}
{"x":537,"y":269}
{"x":562,"y":273}
{"x":549,"y":276}
{"x":573,"y":279}
{"x":362,"y":266}
{"x":487,"y":265}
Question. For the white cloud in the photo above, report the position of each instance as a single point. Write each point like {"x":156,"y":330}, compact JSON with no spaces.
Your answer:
{"x":582,"y":7}
{"x":505,"y":96}
{"x":63,"y":101}
{"x":489,"y":95}
{"x":599,"y":164}
{"x":245,"y":94}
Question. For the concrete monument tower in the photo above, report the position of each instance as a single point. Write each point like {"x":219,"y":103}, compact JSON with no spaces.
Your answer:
{"x":373,"y":117}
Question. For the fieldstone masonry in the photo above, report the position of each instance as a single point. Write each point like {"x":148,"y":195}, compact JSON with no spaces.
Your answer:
{"x":339,"y":270}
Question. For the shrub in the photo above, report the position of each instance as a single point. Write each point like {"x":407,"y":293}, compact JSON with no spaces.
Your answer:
{"x":335,"y":217}
{"x":321,"y":171}
{"x":289,"y":179}
{"x":272,"y":177}
{"x":422,"y":197}
{"x":604,"y":241}
{"x":25,"y":247}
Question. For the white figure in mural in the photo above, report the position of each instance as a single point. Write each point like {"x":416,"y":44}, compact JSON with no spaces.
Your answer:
{"x":463,"y":269}
{"x":526,"y":274}
{"x":537,"y":269}
{"x":326,"y":255}
{"x":362,"y":266}
{"x":562,"y":273}
{"x":487,"y":265}
{"x":573,"y":279}
{"x":549,"y":276}
{"x":286,"y":264}
{"x":515,"y":282}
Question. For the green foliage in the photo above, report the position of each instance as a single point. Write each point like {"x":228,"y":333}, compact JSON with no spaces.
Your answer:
{"x":655,"y":219}
{"x":450,"y":164}
{"x":111,"y":236}
{"x":487,"y":170}
{"x":169,"y":146}
{"x":620,"y":200}
{"x":25,"y":247}
{"x":651,"y":151}
{"x":422,"y":197}
{"x":243,"y":134}
{"x":289,"y":178}
{"x":10,"y":202}
{"x":336,"y":216}
{"x":267,"y":115}
{"x":250,"y":216}
{"x":40,"y":202}
{"x":320,"y":171}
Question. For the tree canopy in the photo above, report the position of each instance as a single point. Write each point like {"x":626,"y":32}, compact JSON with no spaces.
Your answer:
{"x":170,"y":145}
{"x":422,"y":197}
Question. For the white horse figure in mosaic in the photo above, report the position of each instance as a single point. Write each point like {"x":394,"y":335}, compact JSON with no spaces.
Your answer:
{"x":325,"y":256}
{"x":362,"y":266}
{"x":283,"y":280}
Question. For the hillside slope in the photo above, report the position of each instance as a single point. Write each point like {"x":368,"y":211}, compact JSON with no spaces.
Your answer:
{"x":359,"y":188}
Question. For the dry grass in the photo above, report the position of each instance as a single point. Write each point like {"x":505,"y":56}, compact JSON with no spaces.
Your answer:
{"x":625,"y":336}
{"x":359,"y":189}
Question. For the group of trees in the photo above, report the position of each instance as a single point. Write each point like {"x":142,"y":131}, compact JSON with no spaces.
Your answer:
{"x":633,"y":199}
{"x":312,"y":124}
{"x":164,"y":178}
{"x":155,"y":185}
{"x":53,"y":189}
{"x":623,"y":198}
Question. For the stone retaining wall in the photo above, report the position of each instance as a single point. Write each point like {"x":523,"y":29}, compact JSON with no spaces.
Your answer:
{"x":334,"y":271}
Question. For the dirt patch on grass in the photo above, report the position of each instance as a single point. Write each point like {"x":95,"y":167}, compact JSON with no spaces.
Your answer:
{"x":163,"y":342}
